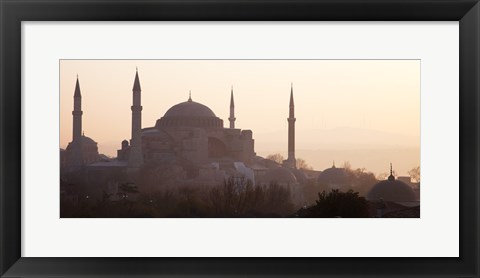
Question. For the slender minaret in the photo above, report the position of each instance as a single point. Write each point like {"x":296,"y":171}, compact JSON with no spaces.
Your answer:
{"x":232,"y":110}
{"x":291,"y":161}
{"x":76,"y":156}
{"x":77,"y":113}
{"x":135,"y":157}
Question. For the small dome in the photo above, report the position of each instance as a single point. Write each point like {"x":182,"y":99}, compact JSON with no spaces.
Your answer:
{"x":190,"y":109}
{"x":392,"y":190}
{"x":280,"y":174}
{"x":333,"y":175}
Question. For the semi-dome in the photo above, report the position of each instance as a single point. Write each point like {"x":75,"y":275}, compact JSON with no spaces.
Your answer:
{"x":88,"y":140}
{"x":299,"y":175}
{"x":189,"y":114}
{"x":156,"y":132}
{"x":280,"y":175}
{"x":190,"y":109}
{"x":392,"y":190}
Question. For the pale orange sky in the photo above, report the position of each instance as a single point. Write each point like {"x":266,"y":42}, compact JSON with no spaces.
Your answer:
{"x":380,"y":95}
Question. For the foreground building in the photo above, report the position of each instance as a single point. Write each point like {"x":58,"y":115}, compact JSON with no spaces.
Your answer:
{"x":394,"y":198}
{"x":392,"y":190}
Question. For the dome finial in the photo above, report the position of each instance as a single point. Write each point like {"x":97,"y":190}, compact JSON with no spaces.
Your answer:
{"x":83,"y":133}
{"x":190,"y":95}
{"x":333,"y":166}
{"x":391,"y":177}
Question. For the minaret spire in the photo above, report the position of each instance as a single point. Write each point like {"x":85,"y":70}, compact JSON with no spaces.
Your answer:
{"x":77,"y":89}
{"x":135,"y":157}
{"x":291,"y":161}
{"x":136,"y":83}
{"x":291,"y":96}
{"x":232,"y":110}
{"x":76,"y":155}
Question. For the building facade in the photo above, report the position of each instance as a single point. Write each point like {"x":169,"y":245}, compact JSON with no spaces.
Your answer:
{"x":188,"y":131}
{"x":189,"y":140}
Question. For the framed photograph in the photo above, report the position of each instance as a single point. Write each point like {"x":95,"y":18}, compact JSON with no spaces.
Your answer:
{"x":239,"y":138}
{"x":190,"y":164}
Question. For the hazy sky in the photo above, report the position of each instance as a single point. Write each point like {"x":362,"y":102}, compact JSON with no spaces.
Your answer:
{"x":381,"y":95}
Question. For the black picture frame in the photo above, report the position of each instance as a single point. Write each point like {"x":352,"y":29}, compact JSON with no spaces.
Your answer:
{"x":13,"y":12}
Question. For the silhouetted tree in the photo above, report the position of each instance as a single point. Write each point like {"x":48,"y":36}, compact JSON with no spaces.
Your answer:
{"x":415,"y":173}
{"x":231,"y":200}
{"x":347,"y":165}
{"x":337,"y":204}
{"x":382,"y":176}
{"x":361,"y":180}
{"x":276,"y":157}
{"x":302,"y":164}
{"x":125,"y":188}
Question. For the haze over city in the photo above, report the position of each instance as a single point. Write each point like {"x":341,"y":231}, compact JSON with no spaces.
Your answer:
{"x":366,"y":112}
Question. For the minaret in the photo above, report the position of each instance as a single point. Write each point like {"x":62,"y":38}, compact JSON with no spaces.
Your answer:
{"x":77,"y":113}
{"x":135,"y":157}
{"x":291,"y":161}
{"x":76,"y":157}
{"x":232,"y":110}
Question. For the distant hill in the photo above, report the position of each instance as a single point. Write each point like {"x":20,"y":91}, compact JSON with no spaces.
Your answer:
{"x":363,"y":148}
{"x":337,"y":138}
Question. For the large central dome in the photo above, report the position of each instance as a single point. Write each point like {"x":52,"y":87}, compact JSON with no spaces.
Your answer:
{"x":189,"y":109}
{"x":189,"y":114}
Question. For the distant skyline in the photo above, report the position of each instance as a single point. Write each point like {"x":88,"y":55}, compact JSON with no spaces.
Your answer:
{"x":378,"y":95}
